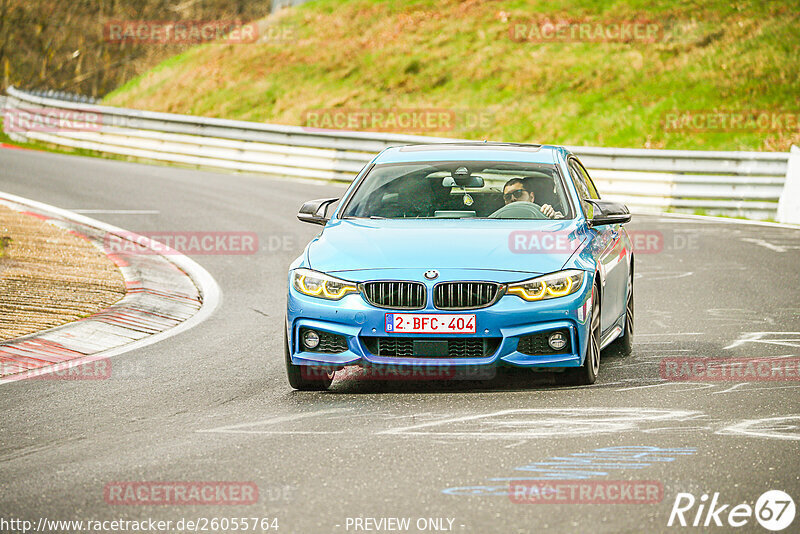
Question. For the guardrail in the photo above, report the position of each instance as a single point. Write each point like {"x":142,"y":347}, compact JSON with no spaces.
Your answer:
{"x":741,"y":184}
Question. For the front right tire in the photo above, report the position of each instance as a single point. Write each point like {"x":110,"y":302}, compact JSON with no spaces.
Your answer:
{"x":623,"y":345}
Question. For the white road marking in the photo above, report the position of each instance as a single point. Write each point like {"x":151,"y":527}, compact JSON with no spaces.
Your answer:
{"x":626,"y":365}
{"x":517,"y":444}
{"x":758,"y":337}
{"x":666,"y":350}
{"x":740,"y":315}
{"x":423,"y":415}
{"x":670,"y":383}
{"x":786,"y":428}
{"x":764,"y":243}
{"x":121,"y":212}
{"x":722,"y":220}
{"x":654,"y":276}
{"x":676,"y":429}
{"x":767,"y":386}
{"x":673,"y":335}
{"x":729,"y":389}
{"x":512,"y":424}
{"x":238,"y":429}
{"x":294,"y":432}
{"x":530,"y":423}
{"x":751,"y":387}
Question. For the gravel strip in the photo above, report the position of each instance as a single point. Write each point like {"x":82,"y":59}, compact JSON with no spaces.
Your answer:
{"x":50,"y":276}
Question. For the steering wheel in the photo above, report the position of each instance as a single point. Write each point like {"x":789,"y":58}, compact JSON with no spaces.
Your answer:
{"x":519,"y":210}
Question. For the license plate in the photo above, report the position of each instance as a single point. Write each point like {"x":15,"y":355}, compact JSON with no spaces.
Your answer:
{"x":431,"y":323}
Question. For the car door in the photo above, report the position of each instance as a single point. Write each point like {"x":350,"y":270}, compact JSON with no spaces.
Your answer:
{"x":610,"y":252}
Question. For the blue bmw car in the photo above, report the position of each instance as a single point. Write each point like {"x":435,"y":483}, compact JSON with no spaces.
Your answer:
{"x":462,"y":254}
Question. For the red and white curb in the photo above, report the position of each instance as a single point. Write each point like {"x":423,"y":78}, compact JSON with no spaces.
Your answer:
{"x":167,"y":293}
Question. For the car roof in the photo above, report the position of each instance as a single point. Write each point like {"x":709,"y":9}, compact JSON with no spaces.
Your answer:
{"x":471,"y":151}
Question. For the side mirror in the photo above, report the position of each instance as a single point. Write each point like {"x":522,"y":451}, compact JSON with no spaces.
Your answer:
{"x":606,"y":212}
{"x":310,"y":211}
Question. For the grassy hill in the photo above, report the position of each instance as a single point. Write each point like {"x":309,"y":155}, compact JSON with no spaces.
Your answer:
{"x":464,"y":57}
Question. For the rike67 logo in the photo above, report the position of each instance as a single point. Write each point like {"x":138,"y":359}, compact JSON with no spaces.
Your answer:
{"x":774,"y":510}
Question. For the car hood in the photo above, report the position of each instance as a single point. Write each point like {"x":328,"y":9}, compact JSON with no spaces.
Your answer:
{"x":497,"y":245}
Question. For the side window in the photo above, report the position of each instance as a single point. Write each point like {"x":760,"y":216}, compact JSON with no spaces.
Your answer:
{"x":578,"y":180}
{"x":589,"y":183}
{"x":580,"y":185}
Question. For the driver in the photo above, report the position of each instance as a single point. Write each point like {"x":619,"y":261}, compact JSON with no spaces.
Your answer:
{"x":516,"y":190}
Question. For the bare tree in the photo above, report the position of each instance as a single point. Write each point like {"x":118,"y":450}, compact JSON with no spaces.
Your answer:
{"x":60,"y":44}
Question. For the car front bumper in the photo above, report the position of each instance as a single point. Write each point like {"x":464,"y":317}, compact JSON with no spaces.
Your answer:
{"x":509,"y":319}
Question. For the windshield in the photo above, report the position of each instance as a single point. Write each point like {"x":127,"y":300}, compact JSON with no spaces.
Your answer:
{"x":460,"y":190}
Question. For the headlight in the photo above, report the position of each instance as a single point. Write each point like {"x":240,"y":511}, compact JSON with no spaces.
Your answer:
{"x":549,"y":286}
{"x":321,"y":285}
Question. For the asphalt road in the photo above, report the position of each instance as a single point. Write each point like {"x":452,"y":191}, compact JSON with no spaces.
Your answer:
{"x":213,"y":404}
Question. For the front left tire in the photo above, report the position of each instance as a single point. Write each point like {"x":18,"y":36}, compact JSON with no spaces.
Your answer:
{"x":586,"y":374}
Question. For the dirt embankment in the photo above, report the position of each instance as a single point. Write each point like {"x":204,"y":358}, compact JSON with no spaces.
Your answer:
{"x":49,"y":276}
